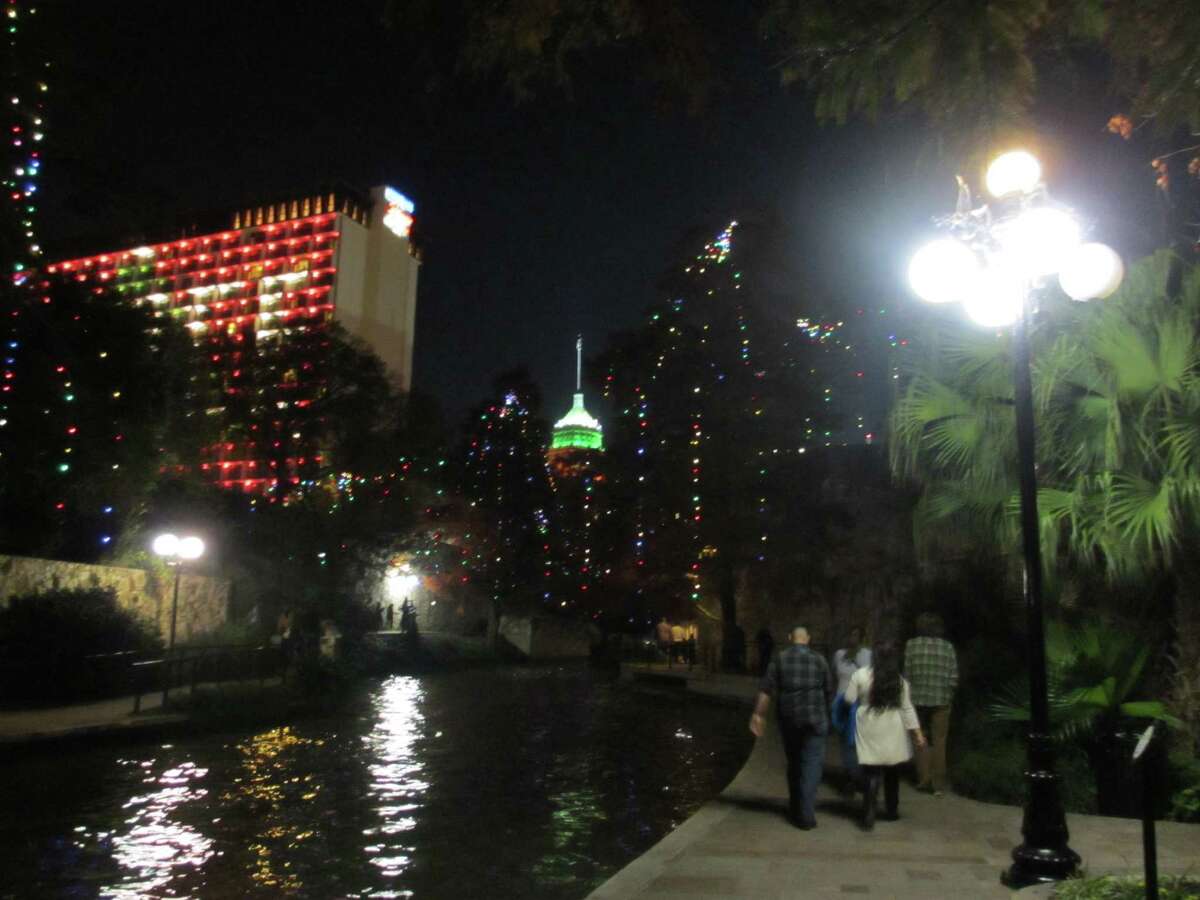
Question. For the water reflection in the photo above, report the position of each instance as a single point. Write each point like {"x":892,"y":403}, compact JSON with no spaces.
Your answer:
{"x":533,"y":782}
{"x":396,"y":784}
{"x":575,"y":818}
{"x":156,"y":847}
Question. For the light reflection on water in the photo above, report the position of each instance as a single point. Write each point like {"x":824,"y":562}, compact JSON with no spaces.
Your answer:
{"x":395,"y":786}
{"x":155,"y":845}
{"x":528,"y":782}
{"x":271,"y":783}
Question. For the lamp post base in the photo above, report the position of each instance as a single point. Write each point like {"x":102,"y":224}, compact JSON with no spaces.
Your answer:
{"x":1039,"y":865}
{"x":1044,"y":855}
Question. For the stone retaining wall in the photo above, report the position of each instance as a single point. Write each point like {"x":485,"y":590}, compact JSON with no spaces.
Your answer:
{"x":536,"y":637}
{"x":203,"y":600}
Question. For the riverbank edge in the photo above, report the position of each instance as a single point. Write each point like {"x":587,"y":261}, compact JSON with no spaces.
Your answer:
{"x":215,"y":708}
{"x":656,"y":678}
{"x":727,"y":690}
{"x":188,"y":715}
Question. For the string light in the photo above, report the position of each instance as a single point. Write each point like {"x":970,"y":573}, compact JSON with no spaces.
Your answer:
{"x":271,"y":285}
{"x":23,"y":122}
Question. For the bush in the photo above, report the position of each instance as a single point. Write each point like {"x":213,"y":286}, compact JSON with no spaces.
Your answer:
{"x":1185,"y":805}
{"x":1183,"y":787}
{"x":45,"y":640}
{"x":987,"y":762}
{"x":1111,"y":887}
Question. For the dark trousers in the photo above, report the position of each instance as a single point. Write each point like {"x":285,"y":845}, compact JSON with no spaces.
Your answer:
{"x":890,"y":776}
{"x":805,"y":749}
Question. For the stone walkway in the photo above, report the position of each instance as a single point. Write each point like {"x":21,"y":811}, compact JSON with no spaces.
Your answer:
{"x":714,"y":685}
{"x":102,"y":716}
{"x":741,"y":846}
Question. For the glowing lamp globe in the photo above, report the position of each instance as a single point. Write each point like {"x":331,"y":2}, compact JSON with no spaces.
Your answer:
{"x":943,"y":270}
{"x":191,"y":548}
{"x":996,"y":299}
{"x":1017,"y":172}
{"x":1040,"y":240}
{"x":165,"y":545}
{"x":1092,"y":271}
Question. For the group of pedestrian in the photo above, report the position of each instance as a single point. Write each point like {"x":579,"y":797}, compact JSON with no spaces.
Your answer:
{"x":408,"y":617}
{"x":677,"y":641}
{"x":881,"y":701}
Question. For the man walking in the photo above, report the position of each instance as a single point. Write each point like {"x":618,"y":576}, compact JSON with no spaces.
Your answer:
{"x":931,"y":667}
{"x":802,"y":686}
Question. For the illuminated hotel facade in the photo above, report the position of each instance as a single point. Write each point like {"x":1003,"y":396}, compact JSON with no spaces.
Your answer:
{"x":258,"y":297}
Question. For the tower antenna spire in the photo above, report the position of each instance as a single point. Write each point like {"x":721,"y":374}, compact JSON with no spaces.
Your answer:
{"x":578,"y":363}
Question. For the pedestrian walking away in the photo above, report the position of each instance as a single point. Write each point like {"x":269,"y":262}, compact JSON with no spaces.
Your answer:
{"x":766,"y":647}
{"x":931,"y":667}
{"x":801,"y":684}
{"x":693,"y":635}
{"x":885,"y":719}
{"x":854,"y":656}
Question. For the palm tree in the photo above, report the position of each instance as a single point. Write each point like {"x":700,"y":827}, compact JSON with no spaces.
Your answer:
{"x":1117,"y":398}
{"x":1095,"y":670}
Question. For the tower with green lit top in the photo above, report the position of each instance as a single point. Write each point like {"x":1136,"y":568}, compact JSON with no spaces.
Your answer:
{"x":578,"y":429}
{"x":575,"y":460}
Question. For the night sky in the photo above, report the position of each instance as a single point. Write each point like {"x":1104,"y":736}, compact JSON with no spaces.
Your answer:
{"x":538,"y":221}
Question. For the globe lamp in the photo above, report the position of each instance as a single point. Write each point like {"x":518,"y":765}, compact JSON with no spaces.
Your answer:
{"x":995,"y":299}
{"x":943,"y":270}
{"x":165,"y":545}
{"x":1017,"y":172}
{"x":1040,"y":240}
{"x":1092,"y":271}
{"x":191,"y":548}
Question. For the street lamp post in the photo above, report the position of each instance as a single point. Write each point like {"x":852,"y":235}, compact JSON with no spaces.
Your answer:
{"x":175,"y":551}
{"x":993,"y":262}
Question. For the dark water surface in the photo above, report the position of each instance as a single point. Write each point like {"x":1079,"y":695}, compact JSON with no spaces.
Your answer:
{"x":492,"y":783}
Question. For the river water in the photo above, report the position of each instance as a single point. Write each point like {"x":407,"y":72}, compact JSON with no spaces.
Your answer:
{"x":535,"y":782}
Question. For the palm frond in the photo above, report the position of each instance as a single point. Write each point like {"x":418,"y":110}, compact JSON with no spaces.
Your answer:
{"x":1128,"y":353}
{"x":1177,"y":351}
{"x":1140,"y":511}
{"x":1150,"y":709}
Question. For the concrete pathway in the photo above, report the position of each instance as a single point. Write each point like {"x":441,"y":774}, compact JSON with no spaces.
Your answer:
{"x":102,"y":716}
{"x":715,"y":685}
{"x":741,"y":846}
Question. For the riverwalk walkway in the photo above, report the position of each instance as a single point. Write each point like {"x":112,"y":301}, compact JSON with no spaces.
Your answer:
{"x":740,"y":845}
{"x":106,"y":716}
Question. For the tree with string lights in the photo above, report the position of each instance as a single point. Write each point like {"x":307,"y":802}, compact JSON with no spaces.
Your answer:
{"x":97,"y":408}
{"x":506,"y":484}
{"x":717,"y":398}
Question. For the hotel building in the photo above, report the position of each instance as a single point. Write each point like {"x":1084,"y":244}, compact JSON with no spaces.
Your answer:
{"x":257,"y":296}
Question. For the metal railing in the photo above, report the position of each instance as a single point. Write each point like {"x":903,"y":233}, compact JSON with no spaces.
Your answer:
{"x":190,"y":666}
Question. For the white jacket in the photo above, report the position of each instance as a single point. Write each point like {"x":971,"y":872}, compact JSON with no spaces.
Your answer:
{"x":881,"y":738}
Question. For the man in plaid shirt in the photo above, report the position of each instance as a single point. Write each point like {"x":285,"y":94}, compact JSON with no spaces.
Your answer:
{"x":931,"y":667}
{"x":802,"y":686}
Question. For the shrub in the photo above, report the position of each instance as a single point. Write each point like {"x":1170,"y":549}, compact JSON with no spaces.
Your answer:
{"x":1112,"y":887}
{"x":1183,"y":787}
{"x":1185,"y":805}
{"x":988,"y":759}
{"x":45,"y":640}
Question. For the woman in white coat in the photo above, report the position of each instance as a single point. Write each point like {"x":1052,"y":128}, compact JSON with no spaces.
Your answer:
{"x":885,"y":719}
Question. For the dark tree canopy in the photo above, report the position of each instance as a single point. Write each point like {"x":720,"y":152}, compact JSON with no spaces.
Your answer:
{"x":506,"y":483}
{"x":97,"y":406}
{"x":958,"y":62}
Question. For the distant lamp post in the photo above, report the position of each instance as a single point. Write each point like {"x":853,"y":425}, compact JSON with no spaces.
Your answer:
{"x":175,"y":551}
{"x":992,"y":262}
